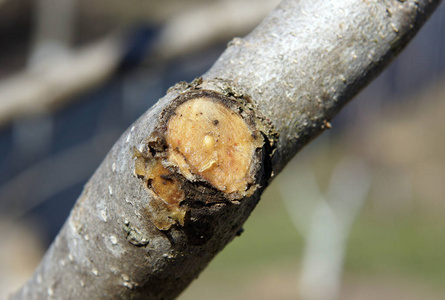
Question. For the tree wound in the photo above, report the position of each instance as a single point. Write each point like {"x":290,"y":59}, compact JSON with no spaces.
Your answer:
{"x":204,"y":142}
{"x":207,"y":139}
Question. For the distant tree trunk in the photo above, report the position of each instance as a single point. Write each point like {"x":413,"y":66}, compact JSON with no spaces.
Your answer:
{"x":181,"y":181}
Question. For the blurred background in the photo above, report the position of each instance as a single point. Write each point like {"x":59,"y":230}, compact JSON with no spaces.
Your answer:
{"x":359,"y":214}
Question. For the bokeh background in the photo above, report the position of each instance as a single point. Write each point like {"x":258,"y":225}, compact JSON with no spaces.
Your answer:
{"x":358,"y":214}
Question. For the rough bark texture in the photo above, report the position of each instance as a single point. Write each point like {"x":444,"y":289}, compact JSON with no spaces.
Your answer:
{"x":307,"y":59}
{"x":127,"y":238}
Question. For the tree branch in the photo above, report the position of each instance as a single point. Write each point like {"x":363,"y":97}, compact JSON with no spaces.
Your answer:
{"x":307,"y":59}
{"x":179,"y":184}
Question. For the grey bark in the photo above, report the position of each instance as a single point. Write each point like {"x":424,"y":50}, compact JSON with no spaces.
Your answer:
{"x":306,"y":60}
{"x":299,"y":67}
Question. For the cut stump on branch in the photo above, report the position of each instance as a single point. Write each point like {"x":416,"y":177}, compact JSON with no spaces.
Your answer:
{"x":178,"y":185}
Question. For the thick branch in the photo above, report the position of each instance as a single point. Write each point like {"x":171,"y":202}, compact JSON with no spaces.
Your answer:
{"x":179,"y":184}
{"x":307,"y":59}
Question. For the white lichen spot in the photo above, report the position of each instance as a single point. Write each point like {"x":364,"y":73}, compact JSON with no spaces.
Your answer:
{"x":125,"y":277}
{"x":70,"y":257}
{"x":132,"y":129}
{"x":95,"y":272}
{"x":127,"y":282}
{"x":103,"y":215}
{"x":50,"y":292}
{"x":62,"y":262}
{"x":113,"y":167}
{"x":113,"y":240}
{"x":82,"y":284}
{"x":86,"y":237}
{"x":396,"y":30}
{"x":128,"y":201}
{"x":128,"y":138}
{"x":354,"y":56}
{"x":114,"y":269}
{"x":110,"y":189}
